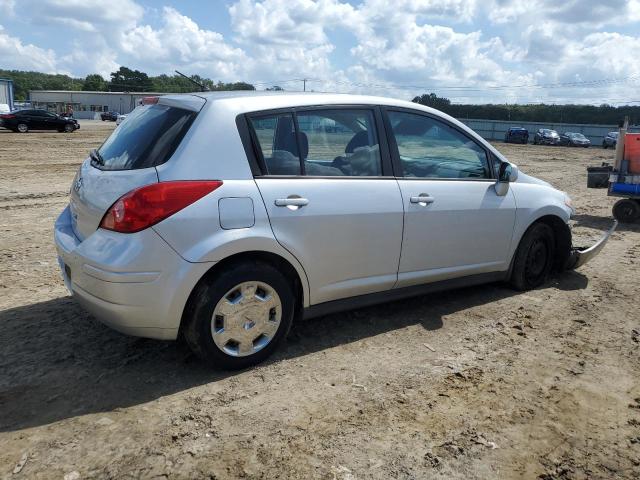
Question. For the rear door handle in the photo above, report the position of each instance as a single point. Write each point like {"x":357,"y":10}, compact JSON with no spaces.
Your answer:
{"x":291,"y":202}
{"x":422,"y":198}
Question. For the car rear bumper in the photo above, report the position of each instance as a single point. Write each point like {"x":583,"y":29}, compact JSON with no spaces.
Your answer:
{"x":134,"y":283}
{"x":581,"y":255}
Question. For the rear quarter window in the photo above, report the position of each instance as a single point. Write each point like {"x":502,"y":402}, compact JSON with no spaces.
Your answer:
{"x":147,"y":138}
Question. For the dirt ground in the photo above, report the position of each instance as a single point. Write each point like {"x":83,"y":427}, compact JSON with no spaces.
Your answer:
{"x":482,"y":382}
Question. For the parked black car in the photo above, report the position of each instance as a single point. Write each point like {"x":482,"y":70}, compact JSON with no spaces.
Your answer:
{"x":573,"y":139}
{"x":546,"y":136}
{"x":517,"y":135}
{"x":610,"y":140}
{"x":24,"y":120}
{"x":111,"y":116}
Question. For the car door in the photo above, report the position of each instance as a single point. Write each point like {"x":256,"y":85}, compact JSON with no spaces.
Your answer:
{"x":50,"y":121}
{"x":455,"y":224}
{"x":31,"y":118}
{"x":331,"y":198}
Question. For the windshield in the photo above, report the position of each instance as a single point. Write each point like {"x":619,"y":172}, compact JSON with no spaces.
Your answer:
{"x":147,"y":139}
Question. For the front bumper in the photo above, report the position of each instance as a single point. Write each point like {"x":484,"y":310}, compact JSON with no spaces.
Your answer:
{"x":134,"y":283}
{"x":581,"y":255}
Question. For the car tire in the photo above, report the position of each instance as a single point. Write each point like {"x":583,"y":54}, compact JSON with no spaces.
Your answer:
{"x":22,"y":128}
{"x":68,"y":128}
{"x":534,"y":257}
{"x":626,"y":210}
{"x":247,"y":295}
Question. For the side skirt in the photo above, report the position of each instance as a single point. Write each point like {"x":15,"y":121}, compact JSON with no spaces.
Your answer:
{"x":369,"y":299}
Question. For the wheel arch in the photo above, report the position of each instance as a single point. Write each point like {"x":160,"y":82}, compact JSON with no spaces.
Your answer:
{"x":279,"y":262}
{"x":562,"y":236}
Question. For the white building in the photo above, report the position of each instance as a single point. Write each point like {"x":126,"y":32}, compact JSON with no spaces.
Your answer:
{"x":87,"y":104}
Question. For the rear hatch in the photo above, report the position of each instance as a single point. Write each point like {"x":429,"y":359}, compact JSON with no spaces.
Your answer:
{"x":127,"y":159}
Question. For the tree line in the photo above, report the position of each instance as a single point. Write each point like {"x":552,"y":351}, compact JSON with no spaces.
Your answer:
{"x":127,"y":80}
{"x":122,"y":80}
{"x":581,"y":114}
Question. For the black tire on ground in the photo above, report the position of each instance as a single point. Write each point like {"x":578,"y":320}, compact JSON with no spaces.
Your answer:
{"x":198,"y":318}
{"x":534,"y":258}
{"x":68,"y":128}
{"x":626,"y":210}
{"x":604,"y":145}
{"x":22,"y":128}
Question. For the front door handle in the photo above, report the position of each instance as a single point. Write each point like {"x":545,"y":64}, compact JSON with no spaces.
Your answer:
{"x":423,"y":198}
{"x":291,"y":202}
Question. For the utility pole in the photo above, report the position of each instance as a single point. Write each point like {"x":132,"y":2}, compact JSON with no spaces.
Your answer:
{"x":304,"y":84}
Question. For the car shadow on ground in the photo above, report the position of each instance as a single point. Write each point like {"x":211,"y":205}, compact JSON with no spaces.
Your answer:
{"x":58,"y":362}
{"x":604,"y":223}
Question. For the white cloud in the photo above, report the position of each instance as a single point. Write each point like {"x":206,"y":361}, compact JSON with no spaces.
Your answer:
{"x":181,"y":42}
{"x":19,"y":56}
{"x":94,"y":16}
{"x":289,"y":21}
{"x":371,"y":46}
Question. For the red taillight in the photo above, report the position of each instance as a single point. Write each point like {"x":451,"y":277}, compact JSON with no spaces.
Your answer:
{"x":7,"y":115}
{"x":148,"y":205}
{"x":149,"y":100}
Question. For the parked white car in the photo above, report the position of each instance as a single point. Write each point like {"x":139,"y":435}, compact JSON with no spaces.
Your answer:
{"x":225,"y":215}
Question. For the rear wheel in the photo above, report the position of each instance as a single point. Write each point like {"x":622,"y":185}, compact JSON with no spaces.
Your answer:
{"x":238,"y":317}
{"x":626,"y":210}
{"x":534,"y":257}
{"x":22,"y":128}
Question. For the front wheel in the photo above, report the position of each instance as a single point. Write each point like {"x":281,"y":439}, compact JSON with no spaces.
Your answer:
{"x":534,"y":257}
{"x":626,"y":210}
{"x":238,"y":317}
{"x":68,"y":128}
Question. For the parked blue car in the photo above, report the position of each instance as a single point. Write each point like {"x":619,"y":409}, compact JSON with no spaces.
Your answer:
{"x":517,"y":135}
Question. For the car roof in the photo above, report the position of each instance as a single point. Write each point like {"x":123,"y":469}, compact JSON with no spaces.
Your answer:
{"x":244,"y":101}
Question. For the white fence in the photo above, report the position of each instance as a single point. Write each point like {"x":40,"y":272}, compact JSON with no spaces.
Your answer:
{"x":495,"y":129}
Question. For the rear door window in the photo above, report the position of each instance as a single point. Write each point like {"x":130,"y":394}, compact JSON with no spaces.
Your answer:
{"x":333,"y":142}
{"x":276,"y":138}
{"x":148,"y":138}
{"x":340,"y":143}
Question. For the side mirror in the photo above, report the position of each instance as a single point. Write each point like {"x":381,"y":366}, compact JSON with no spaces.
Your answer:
{"x":507,"y":173}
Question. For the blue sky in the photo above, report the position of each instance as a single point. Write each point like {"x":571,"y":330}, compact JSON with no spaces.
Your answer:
{"x":468,"y":50}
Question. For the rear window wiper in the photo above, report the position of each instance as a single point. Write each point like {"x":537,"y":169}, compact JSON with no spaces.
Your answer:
{"x":96,"y":157}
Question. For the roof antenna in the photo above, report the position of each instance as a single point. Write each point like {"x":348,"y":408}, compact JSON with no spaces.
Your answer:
{"x":203,"y":87}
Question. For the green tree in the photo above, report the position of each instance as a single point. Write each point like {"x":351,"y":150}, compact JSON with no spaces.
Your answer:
{"x":94,"y":83}
{"x":433,"y":101}
{"x":127,"y":80}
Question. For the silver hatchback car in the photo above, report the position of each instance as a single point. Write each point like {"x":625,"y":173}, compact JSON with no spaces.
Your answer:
{"x":224,"y":216}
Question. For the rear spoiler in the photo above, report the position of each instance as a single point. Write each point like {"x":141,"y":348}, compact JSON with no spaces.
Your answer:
{"x":186,"y":101}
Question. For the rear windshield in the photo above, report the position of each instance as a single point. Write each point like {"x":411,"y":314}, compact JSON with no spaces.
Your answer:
{"x":147,"y":138}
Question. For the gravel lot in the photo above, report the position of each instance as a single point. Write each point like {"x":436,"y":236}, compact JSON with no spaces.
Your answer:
{"x":482,"y":382}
